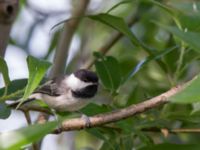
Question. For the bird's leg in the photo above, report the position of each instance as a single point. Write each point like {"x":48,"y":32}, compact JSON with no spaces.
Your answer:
{"x":55,"y":115}
{"x":57,"y":120}
{"x":86,"y":118}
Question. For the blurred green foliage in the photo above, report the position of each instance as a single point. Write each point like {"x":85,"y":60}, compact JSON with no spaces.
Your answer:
{"x":159,"y":51}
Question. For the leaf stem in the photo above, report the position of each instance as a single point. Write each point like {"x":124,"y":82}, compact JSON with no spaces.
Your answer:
{"x":11,"y":96}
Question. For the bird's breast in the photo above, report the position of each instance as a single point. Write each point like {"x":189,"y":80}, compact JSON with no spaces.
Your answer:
{"x":65,"y":102}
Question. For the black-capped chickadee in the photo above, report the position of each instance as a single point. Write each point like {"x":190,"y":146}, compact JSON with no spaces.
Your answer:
{"x":68,"y":93}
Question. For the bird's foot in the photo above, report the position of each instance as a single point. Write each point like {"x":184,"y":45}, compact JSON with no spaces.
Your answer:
{"x":87,"y":120}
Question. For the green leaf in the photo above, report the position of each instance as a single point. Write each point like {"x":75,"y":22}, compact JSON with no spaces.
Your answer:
{"x":174,"y":13}
{"x":190,"y":93}
{"x":108,"y":70}
{"x":96,"y":132}
{"x":171,"y":11}
{"x":118,"y":24}
{"x":92,"y":109}
{"x":4,"y":111}
{"x":146,"y":60}
{"x":13,"y":140}
{"x":107,"y":135}
{"x":14,"y":86}
{"x":4,"y":71}
{"x":190,"y":21}
{"x":118,"y":4}
{"x":191,"y":38}
{"x":169,"y":146}
{"x":196,"y":108}
{"x":37,"y":69}
{"x":186,"y":6}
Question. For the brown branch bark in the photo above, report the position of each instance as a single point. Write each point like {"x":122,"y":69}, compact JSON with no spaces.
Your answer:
{"x":65,"y":41}
{"x":64,"y":45}
{"x":66,"y":38}
{"x":101,"y":119}
{"x":8,"y":12}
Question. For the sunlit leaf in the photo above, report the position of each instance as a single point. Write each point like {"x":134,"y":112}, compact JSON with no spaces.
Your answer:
{"x":118,"y":4}
{"x":190,"y":22}
{"x":37,"y":69}
{"x":196,"y":107}
{"x":191,"y":38}
{"x":190,"y":94}
{"x":13,"y":140}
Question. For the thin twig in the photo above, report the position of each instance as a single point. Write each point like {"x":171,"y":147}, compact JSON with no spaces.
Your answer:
{"x":27,"y":116}
{"x":34,"y":108}
{"x":167,"y":131}
{"x":185,"y":130}
{"x":8,"y":12}
{"x":28,"y":119}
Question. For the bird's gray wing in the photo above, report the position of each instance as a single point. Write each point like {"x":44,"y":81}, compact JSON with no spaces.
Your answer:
{"x":53,"y":87}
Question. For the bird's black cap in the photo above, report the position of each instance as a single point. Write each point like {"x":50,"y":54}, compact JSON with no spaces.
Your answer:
{"x":86,"y":75}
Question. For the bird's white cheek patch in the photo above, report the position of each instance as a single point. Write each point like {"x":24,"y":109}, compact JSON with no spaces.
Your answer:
{"x":74,"y":83}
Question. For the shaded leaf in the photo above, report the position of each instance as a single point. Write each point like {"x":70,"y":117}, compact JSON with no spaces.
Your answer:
{"x":4,"y":111}
{"x":96,"y":132}
{"x":92,"y":109}
{"x":14,"y":86}
{"x":13,"y":140}
{"x":147,"y":60}
{"x":108,"y":70}
{"x":118,"y":24}
{"x":171,"y":11}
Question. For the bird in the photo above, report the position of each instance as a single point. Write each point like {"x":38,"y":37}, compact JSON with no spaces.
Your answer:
{"x":67,"y":92}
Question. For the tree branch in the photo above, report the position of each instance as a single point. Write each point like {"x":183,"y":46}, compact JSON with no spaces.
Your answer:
{"x":101,"y":119}
{"x":8,"y":12}
{"x":175,"y":131}
{"x":66,"y":38}
{"x":65,"y":41}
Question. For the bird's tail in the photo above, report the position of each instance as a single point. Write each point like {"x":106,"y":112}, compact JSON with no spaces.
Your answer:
{"x":16,"y":103}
